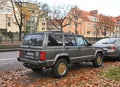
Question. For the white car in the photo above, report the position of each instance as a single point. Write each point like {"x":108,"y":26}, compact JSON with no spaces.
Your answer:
{"x":110,"y":47}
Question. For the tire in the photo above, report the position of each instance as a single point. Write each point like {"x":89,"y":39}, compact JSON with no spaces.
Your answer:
{"x":98,"y":61}
{"x":119,"y":58}
{"x":60,"y":68}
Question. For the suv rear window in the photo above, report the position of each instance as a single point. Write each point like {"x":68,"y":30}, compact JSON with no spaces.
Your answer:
{"x":33,"y":40}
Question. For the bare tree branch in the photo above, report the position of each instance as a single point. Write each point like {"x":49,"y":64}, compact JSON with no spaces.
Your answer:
{"x":59,"y":18}
{"x":75,"y":15}
{"x":105,"y":24}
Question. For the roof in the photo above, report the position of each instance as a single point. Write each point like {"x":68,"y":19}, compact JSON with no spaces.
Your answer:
{"x":116,"y":20}
{"x":85,"y":14}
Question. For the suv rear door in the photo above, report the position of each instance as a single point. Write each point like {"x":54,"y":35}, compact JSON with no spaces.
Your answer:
{"x":71,"y":47}
{"x":31,"y":46}
{"x":54,"y":45}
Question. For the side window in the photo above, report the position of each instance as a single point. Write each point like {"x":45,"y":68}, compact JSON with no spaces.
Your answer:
{"x":55,"y":40}
{"x":70,"y":40}
{"x":81,"y":41}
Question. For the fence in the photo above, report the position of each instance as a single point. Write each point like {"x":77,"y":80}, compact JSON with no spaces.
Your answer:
{"x":10,"y":42}
{"x":92,"y":40}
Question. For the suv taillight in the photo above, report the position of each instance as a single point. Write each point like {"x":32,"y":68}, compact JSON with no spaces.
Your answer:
{"x":42,"y":56}
{"x":20,"y":53}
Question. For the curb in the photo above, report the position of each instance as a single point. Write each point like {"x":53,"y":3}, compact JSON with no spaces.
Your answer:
{"x":11,"y":49}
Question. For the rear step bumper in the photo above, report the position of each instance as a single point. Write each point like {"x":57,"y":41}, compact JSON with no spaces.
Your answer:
{"x":32,"y":62}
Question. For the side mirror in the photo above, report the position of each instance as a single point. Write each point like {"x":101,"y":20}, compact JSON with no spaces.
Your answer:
{"x":89,"y":44}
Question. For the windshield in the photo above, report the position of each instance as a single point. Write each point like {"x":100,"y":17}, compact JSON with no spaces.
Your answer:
{"x":107,"y":41}
{"x":33,"y":40}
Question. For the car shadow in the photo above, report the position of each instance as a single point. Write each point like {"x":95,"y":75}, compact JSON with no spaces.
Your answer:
{"x":47,"y":73}
{"x":107,"y":59}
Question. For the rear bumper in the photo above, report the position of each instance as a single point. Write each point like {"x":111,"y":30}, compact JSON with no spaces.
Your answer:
{"x":32,"y":62}
{"x":111,"y":54}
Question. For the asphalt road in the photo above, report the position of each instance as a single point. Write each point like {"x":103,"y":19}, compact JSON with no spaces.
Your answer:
{"x":8,"y":60}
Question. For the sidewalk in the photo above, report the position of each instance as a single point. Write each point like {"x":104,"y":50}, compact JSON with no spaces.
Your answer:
{"x":9,"y":46}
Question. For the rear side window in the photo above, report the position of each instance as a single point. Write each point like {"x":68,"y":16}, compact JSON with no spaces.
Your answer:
{"x":33,"y":40}
{"x":55,"y":40}
{"x":70,"y":40}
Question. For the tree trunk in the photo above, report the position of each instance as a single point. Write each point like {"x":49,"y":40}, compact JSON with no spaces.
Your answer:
{"x":96,"y":34}
{"x":20,"y":33}
{"x":76,"y":28}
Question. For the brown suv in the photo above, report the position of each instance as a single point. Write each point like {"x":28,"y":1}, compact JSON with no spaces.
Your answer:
{"x":57,"y":50}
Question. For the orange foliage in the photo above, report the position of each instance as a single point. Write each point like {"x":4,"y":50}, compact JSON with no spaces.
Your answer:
{"x":27,"y":14}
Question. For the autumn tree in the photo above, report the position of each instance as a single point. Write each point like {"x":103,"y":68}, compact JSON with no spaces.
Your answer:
{"x":19,"y":19}
{"x":59,"y":18}
{"x":42,"y":12}
{"x":33,"y":9}
{"x":75,"y":15}
{"x":105,"y":24}
{"x":21,"y":14}
{"x":97,"y":27}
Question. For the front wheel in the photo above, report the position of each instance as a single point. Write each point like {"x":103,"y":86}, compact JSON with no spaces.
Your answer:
{"x":98,"y":61}
{"x":60,"y":68}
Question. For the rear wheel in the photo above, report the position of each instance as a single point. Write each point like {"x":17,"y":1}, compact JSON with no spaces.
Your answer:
{"x":119,"y":58}
{"x":60,"y":68}
{"x":98,"y":61}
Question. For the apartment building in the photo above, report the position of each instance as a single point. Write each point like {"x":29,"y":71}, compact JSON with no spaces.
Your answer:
{"x":86,"y":23}
{"x":116,"y":32}
{"x":36,"y":21}
{"x":7,"y":20}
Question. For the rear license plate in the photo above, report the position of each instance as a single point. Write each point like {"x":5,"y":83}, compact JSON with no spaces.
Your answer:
{"x":30,"y":53}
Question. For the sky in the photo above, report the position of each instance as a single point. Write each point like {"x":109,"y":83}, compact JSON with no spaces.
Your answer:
{"x":105,"y":7}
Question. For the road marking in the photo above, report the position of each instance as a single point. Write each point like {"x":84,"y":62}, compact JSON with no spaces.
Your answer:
{"x":8,"y":59}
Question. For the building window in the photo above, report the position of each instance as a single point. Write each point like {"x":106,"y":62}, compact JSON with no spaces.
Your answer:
{"x":118,"y":28}
{"x":94,"y":33}
{"x":69,"y":26}
{"x":8,"y":23}
{"x":43,"y":23}
{"x":94,"y":19}
{"x":88,"y":25}
{"x":43,"y":28}
{"x":88,"y":32}
{"x":94,"y":26}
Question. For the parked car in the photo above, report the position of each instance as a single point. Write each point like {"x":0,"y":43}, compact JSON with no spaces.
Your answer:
{"x":110,"y":47}
{"x":56,"y":51}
